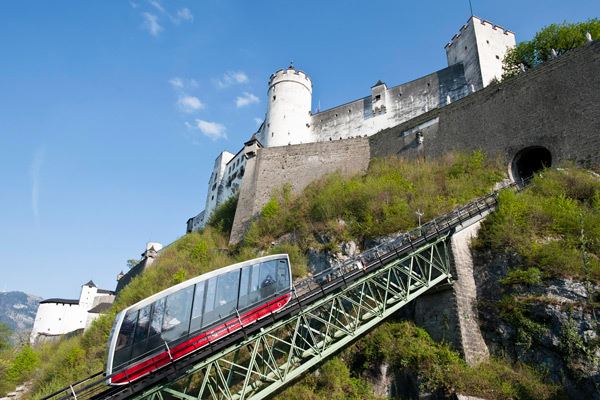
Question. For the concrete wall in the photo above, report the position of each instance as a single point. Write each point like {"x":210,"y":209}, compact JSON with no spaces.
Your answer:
{"x":296,"y":165}
{"x":555,"y":106}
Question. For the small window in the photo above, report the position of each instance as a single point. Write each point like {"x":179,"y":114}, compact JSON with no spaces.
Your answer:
{"x":497,"y":57}
{"x":274,"y":97}
{"x":378,"y":97}
{"x":465,"y":47}
{"x":487,"y":41}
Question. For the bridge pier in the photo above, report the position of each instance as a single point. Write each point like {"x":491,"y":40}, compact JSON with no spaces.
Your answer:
{"x":450,"y":313}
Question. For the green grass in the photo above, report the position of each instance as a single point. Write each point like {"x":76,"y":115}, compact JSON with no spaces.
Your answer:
{"x":554,"y":225}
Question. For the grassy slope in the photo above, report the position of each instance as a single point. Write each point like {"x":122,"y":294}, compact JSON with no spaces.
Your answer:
{"x":380,"y":202}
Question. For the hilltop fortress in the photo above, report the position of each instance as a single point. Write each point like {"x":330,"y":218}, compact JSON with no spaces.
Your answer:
{"x":537,"y":119}
{"x":474,"y":55}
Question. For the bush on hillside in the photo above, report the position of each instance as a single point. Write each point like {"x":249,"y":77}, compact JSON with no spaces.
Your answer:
{"x":382,"y":201}
{"x":554,"y":225}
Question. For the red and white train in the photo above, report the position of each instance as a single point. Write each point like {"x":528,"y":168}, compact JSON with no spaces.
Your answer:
{"x":181,"y":319}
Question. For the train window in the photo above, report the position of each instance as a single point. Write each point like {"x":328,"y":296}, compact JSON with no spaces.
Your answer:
{"x":211,"y":288}
{"x":126,"y":332}
{"x":221,"y":297}
{"x":283,"y":278}
{"x":143,"y":322}
{"x":157,"y":317}
{"x":227,"y":290}
{"x":268,"y":276}
{"x":249,"y":286}
{"x":177,"y":314}
{"x":197,"y":307}
{"x":125,"y":338}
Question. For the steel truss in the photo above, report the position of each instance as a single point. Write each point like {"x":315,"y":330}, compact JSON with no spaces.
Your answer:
{"x":267,"y":361}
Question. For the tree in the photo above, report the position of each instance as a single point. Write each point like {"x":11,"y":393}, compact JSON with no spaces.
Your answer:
{"x":560,"y":37}
{"x":5,"y":334}
{"x":132,"y":262}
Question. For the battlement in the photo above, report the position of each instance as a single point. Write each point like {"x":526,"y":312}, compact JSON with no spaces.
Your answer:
{"x":483,"y":22}
{"x":290,"y":74}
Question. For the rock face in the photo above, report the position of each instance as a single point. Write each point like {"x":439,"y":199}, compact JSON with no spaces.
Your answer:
{"x":551,"y":324}
{"x":17,"y":310}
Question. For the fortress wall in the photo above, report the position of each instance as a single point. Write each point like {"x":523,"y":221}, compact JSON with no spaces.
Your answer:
{"x":402,"y":102}
{"x":297,"y":165}
{"x":555,"y":106}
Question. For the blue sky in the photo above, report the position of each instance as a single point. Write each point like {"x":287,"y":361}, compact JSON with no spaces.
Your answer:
{"x":112,"y":112}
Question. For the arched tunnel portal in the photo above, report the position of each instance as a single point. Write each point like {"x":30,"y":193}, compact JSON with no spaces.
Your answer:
{"x":528,"y":161}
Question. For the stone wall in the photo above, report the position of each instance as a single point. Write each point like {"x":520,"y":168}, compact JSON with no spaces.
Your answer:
{"x":554,"y":105}
{"x":297,"y":166}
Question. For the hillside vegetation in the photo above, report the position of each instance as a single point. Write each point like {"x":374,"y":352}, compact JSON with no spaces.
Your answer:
{"x":332,"y":209}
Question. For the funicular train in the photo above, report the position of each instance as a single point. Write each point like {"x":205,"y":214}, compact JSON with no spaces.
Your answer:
{"x":181,"y":319}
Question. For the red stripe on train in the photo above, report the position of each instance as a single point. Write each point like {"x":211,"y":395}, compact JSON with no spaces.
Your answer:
{"x":152,"y":364}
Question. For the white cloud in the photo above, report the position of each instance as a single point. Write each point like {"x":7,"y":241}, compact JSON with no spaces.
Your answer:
{"x":245,"y":100}
{"x":189,"y":104}
{"x":34,"y":170}
{"x":157,"y":5}
{"x":212,"y":130}
{"x":258,"y":121}
{"x":176,"y":83}
{"x":232,"y":78}
{"x":185,"y":14}
{"x":151,"y":24}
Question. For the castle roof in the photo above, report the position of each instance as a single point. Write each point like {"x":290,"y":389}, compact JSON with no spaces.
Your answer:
{"x":105,"y":291}
{"x":90,"y":284}
{"x":378,"y":83}
{"x":100,"y":308}
{"x":60,"y":301}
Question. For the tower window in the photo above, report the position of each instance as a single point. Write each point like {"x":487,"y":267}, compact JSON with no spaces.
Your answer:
{"x":497,"y":57}
{"x":378,"y":97}
{"x":274,"y":97}
{"x":487,"y":41}
{"x":465,"y":47}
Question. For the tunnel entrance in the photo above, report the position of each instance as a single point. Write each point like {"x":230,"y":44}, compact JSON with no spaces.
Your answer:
{"x":529,"y":161}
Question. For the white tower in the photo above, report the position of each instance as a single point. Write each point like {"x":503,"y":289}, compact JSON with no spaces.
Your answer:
{"x":480,"y":46}
{"x":288,"y":108}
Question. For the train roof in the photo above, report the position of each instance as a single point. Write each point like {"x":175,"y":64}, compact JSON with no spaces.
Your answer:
{"x":200,"y":278}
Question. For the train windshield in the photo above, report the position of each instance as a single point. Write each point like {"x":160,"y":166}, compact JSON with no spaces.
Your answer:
{"x":198,"y":307}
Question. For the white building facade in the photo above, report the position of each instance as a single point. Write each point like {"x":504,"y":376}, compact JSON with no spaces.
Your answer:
{"x":474,"y":56}
{"x":56,"y":317}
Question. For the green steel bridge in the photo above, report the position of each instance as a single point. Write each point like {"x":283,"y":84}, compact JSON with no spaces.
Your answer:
{"x":327,"y":312}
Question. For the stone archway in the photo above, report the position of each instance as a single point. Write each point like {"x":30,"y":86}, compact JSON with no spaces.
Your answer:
{"x":528,"y":161}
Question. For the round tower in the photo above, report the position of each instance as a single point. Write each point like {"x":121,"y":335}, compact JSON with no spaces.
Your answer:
{"x":288,"y":108}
